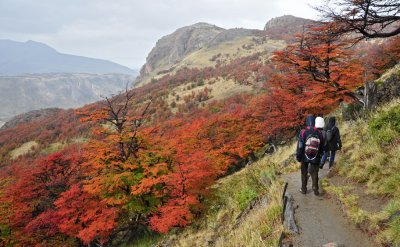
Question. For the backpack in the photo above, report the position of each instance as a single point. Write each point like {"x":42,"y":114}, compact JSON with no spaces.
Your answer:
{"x":329,"y":135}
{"x":311,"y":147}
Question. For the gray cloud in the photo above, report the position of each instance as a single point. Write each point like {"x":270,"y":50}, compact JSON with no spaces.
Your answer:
{"x":124,"y":31}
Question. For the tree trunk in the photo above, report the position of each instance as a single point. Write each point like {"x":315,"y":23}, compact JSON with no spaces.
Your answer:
{"x":370,"y":96}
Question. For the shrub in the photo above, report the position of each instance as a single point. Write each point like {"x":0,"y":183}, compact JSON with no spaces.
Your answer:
{"x":385,"y":127}
{"x":245,"y":196}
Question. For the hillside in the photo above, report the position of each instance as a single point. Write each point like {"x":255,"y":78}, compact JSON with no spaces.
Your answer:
{"x":32,"y":57}
{"x":180,"y":159}
{"x":202,"y":45}
{"x":19,"y":94}
{"x":365,"y":181}
{"x":30,"y":116}
{"x":363,"y":186}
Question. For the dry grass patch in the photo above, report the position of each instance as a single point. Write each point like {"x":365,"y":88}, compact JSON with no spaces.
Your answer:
{"x":228,"y":51}
{"x":24,"y":149}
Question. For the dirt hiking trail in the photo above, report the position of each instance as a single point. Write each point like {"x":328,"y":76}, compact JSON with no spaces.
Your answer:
{"x":319,"y":219}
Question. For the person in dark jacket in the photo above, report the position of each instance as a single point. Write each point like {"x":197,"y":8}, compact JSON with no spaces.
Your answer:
{"x":332,"y":143}
{"x":310,"y":138}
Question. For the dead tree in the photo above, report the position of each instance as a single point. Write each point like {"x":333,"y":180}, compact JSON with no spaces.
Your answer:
{"x":118,"y":115}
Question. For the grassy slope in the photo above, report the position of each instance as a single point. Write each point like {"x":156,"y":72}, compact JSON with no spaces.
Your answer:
{"x":229,"y":51}
{"x":367,"y":182}
{"x":220,"y":89}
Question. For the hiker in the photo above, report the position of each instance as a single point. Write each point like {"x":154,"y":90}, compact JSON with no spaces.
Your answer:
{"x":333,"y":142}
{"x":310,"y":147}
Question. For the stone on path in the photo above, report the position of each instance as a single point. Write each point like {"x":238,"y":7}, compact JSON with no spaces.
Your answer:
{"x":332,"y":245}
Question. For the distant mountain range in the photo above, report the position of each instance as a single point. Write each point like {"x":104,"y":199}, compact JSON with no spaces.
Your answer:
{"x":35,"y":76}
{"x":32,"y":57}
{"x":19,"y":94}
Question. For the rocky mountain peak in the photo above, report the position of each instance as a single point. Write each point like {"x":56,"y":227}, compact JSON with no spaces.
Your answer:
{"x":286,"y":25}
{"x":282,"y":21}
{"x":173,"y":47}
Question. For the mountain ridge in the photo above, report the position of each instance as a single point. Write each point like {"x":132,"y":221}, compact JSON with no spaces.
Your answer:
{"x":31,"y":57}
{"x":171,"y":49}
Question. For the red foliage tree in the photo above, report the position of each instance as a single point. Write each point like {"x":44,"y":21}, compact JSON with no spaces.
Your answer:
{"x":85,"y":216}
{"x":379,"y":57}
{"x":118,"y":157}
{"x":325,"y":58}
{"x":33,"y":216}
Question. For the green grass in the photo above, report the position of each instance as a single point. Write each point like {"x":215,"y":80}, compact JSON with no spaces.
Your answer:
{"x":147,"y":240}
{"x":385,"y":127}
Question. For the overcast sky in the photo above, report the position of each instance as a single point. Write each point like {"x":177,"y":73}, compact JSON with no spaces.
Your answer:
{"x":124,"y":31}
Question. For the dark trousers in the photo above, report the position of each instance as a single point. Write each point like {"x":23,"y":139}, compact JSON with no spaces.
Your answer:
{"x":313,"y":170}
{"x":331,"y":155}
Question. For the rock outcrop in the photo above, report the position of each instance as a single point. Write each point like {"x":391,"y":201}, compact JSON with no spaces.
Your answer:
{"x":284,"y":27}
{"x":172,"y":48}
{"x":232,"y":34}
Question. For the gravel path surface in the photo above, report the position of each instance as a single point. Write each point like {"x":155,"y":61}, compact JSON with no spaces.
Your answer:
{"x":320,"y":219}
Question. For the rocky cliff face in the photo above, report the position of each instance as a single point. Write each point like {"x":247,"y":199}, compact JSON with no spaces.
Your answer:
{"x":20,"y":94}
{"x":173,"y":47}
{"x":284,"y":26}
{"x":232,"y":34}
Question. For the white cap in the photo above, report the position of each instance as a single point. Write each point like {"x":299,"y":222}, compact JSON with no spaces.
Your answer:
{"x":319,"y":123}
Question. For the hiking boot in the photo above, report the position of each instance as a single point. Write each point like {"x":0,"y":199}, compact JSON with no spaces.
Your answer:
{"x":316,"y":192}
{"x":303,"y":191}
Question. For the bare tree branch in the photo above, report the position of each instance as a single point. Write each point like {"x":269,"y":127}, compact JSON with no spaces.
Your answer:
{"x":370,"y":18}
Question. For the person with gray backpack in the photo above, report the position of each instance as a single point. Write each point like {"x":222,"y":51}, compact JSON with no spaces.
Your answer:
{"x":332,"y":143}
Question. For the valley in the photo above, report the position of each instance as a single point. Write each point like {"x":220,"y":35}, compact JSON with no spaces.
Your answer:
{"x":35,"y":76}
{"x":24,"y":93}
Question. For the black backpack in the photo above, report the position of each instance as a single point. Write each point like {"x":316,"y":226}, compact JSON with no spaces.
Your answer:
{"x":329,"y":134}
